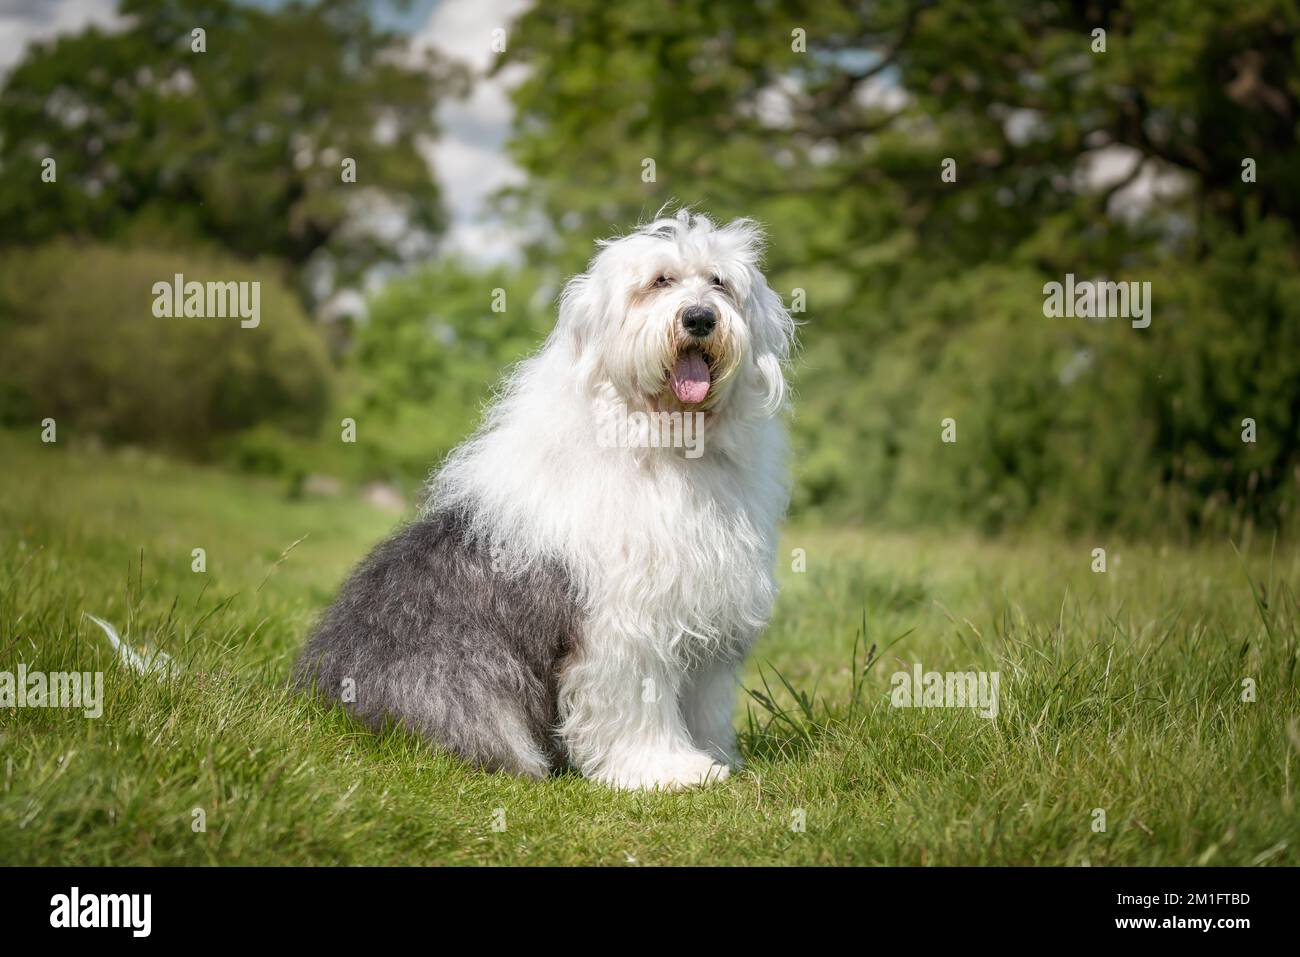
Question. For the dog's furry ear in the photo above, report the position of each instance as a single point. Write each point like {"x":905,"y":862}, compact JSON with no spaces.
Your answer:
{"x":575,"y":329}
{"x":771,"y":326}
{"x":574,"y":314}
{"x":772,"y":329}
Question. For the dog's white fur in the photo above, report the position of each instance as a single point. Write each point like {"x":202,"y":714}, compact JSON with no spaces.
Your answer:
{"x":671,"y":556}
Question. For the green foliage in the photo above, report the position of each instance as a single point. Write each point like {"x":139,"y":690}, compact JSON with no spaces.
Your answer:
{"x":1080,"y":424}
{"x":242,"y":144}
{"x":83,"y":346}
{"x":924,"y":297}
{"x":424,"y":363}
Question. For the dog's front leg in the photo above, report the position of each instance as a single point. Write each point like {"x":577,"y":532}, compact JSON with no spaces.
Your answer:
{"x":621,"y":718}
{"x":708,"y":704}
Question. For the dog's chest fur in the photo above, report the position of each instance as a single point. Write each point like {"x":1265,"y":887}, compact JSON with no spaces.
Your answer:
{"x":686,"y":555}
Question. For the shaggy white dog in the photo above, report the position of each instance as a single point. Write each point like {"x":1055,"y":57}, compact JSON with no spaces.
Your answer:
{"x":570,"y":598}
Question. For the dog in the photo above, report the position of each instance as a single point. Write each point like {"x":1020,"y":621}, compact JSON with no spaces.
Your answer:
{"x":567,"y":601}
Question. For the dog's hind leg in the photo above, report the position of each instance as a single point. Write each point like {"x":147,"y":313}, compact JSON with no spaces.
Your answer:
{"x":429,"y":634}
{"x":480,"y":720}
{"x":471,"y":714}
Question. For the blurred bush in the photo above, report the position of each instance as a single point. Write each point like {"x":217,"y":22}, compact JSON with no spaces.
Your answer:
{"x":1077,"y":424}
{"x":83,"y":346}
{"x":425,"y":362}
{"x":420,"y":369}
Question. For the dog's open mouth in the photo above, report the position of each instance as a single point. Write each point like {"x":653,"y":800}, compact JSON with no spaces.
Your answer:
{"x":691,"y":376}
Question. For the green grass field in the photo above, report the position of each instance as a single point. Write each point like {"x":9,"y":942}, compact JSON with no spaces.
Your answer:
{"x":1119,"y":691}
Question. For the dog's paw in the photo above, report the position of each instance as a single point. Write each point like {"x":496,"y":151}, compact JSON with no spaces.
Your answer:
{"x":728,"y":756}
{"x":666,"y":772}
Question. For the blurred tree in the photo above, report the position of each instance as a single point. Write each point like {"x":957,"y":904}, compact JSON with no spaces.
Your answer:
{"x":1101,"y":138}
{"x":244,"y":143}
{"x":847,"y":109}
{"x":419,"y":371}
{"x":435,"y":343}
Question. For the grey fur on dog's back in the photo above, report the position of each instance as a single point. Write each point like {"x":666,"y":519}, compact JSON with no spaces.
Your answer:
{"x":438,"y":640}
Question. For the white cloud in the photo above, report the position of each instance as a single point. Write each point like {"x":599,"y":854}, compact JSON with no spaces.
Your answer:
{"x":1109,"y":166}
{"x":463,"y":31}
{"x":469,"y":172}
{"x":469,"y":160}
{"x":24,"y":21}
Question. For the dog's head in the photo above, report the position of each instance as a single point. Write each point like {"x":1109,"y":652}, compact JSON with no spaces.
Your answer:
{"x":677,"y":316}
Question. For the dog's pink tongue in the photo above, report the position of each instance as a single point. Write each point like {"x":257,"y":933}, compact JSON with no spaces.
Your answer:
{"x":690,"y":378}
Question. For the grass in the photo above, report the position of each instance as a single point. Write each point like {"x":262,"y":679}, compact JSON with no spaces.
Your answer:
{"x":1119,"y":691}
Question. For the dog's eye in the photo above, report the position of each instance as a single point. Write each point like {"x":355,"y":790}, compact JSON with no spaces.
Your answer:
{"x":661,"y":281}
{"x":716,"y":280}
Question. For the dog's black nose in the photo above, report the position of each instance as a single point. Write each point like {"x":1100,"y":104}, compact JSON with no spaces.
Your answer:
{"x":699,"y":320}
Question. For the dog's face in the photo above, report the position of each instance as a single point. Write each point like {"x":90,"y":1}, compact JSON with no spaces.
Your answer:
{"x":677,"y":316}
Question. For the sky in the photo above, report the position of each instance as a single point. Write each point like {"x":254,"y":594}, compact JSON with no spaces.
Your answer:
{"x":469,"y":161}
{"x":470,"y":158}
